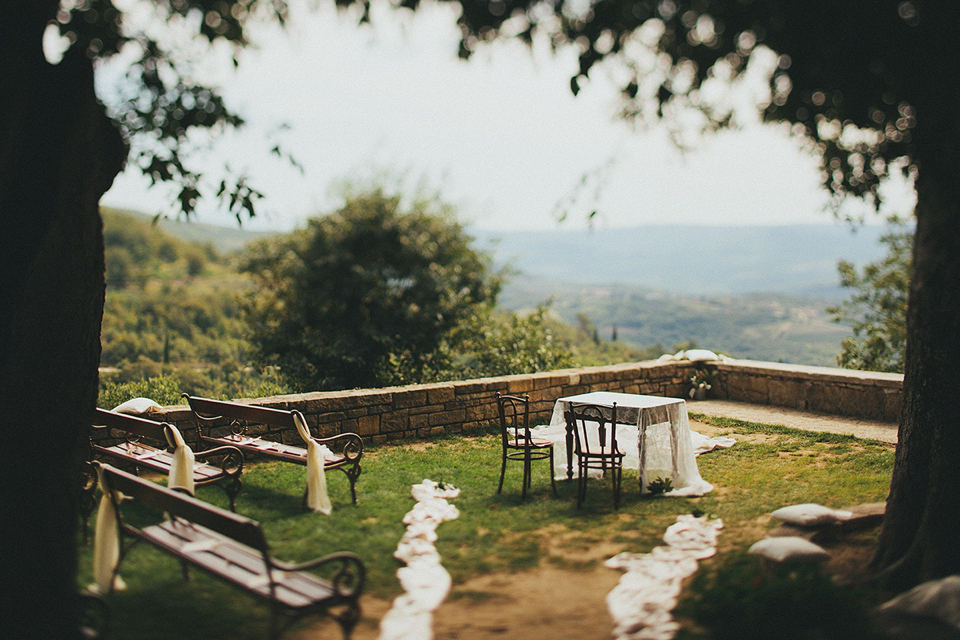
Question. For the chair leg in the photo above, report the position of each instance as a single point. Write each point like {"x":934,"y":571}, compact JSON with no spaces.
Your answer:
{"x":503,"y":469}
{"x":617,"y":471}
{"x":581,"y":484}
{"x":526,"y":476}
{"x":553,"y":482}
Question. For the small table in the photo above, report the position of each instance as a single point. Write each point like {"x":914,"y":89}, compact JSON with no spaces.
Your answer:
{"x":667,"y":450}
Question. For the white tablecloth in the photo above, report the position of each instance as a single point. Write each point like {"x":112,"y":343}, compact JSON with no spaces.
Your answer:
{"x":669,"y":448}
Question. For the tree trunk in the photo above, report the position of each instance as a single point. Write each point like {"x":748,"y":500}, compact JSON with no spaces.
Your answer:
{"x":58,"y":155}
{"x":921,"y":530}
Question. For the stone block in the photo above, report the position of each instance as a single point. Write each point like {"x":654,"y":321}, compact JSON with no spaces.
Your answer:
{"x":446,"y":417}
{"x":418,"y":421}
{"x":410,"y":398}
{"x":788,"y":392}
{"x":441,"y":394}
{"x":395,"y":421}
{"x":828,"y":399}
{"x":469,"y":387}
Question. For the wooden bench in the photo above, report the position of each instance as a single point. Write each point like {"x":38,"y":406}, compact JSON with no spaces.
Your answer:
{"x":347,"y":448}
{"x":139,"y":450}
{"x":234,"y":549}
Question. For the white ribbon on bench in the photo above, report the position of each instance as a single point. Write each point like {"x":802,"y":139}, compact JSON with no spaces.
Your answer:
{"x":181,"y":467}
{"x":317,"y":498}
{"x":106,"y":542}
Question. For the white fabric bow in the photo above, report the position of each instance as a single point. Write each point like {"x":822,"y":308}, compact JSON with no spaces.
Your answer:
{"x":181,"y":467}
{"x":317,"y":498}
{"x":106,"y":542}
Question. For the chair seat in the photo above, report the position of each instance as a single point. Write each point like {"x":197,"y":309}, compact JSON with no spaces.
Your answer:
{"x":607,"y":455}
{"x":534,"y":443}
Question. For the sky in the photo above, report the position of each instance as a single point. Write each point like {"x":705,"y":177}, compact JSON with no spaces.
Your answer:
{"x":501,"y":137}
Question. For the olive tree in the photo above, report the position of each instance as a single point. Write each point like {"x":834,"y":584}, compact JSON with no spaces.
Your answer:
{"x":368,"y":295}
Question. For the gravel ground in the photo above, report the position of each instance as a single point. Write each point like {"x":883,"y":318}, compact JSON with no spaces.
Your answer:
{"x":882,"y":431}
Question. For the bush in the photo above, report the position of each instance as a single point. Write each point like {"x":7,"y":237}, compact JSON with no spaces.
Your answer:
{"x":163,"y":389}
{"x":740,"y":601}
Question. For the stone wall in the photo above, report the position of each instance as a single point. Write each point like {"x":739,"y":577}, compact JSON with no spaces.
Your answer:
{"x":859,"y":394}
{"x":425,"y":411}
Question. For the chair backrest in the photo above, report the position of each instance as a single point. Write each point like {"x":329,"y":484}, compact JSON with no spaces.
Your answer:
{"x":182,"y":505}
{"x":133,"y":425}
{"x":588,"y":440}
{"x":514,"y":412}
{"x":207,"y":410}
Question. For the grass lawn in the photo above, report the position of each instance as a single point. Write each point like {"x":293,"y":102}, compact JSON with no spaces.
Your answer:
{"x":768,"y":468}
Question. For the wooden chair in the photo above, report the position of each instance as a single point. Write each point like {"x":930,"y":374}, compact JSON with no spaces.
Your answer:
{"x":595,"y":447}
{"x":518,"y":444}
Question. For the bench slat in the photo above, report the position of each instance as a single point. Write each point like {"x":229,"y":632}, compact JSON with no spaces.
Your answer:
{"x":160,"y":461}
{"x":286,"y":452}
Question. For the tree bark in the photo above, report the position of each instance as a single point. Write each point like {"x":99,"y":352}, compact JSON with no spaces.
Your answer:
{"x":919,"y":539}
{"x":58,"y":155}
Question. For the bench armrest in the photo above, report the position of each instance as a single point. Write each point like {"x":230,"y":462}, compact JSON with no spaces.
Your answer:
{"x":345,"y":571}
{"x":350,"y":445}
{"x":231,"y":462}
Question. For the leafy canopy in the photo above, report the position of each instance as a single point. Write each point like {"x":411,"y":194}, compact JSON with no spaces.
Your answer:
{"x":844,"y":74}
{"x":366,"y":296}
{"x":159,"y":104}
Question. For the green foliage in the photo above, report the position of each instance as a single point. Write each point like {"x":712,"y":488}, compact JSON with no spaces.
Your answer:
{"x":659,"y":486}
{"x":163,"y":389}
{"x":172,"y":311}
{"x":366,"y":296}
{"x":157,"y":103}
{"x":739,"y":600}
{"x":164,"y":385}
{"x":499,"y":344}
{"x":877,"y":308}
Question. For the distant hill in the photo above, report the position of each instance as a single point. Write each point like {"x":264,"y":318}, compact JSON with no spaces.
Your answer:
{"x":751,"y":292}
{"x":223,"y":239}
{"x":799,"y":260}
{"x":796,"y":260}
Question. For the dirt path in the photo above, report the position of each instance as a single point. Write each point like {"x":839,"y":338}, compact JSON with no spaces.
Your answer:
{"x":543,"y":604}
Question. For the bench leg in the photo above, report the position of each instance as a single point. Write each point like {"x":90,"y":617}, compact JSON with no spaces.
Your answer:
{"x":353,"y":474}
{"x":348,"y":619}
{"x":232,"y":488}
{"x":185,"y":569}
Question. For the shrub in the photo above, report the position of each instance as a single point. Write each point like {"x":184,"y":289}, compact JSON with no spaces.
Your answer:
{"x":740,"y":600}
{"x":163,"y":389}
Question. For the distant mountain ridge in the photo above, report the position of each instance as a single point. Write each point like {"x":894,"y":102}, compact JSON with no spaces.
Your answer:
{"x":728,"y":260}
{"x":796,"y":260}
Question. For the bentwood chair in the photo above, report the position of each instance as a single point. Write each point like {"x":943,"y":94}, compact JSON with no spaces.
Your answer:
{"x":595,"y":446}
{"x":518,"y":444}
